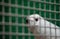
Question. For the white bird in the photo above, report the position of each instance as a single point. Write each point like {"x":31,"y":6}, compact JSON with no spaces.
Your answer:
{"x":42,"y":28}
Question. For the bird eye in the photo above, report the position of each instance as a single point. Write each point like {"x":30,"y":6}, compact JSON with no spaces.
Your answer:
{"x":26,"y":21}
{"x":36,"y":19}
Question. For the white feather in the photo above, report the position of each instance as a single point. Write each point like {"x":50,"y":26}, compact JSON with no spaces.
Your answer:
{"x":43,"y":27}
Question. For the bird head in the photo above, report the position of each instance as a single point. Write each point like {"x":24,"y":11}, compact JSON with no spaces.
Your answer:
{"x":33,"y":20}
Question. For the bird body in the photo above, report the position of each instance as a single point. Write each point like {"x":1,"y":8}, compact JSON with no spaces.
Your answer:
{"x":43,"y":27}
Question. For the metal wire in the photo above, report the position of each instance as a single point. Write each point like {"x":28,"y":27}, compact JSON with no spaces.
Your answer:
{"x":22,"y":24}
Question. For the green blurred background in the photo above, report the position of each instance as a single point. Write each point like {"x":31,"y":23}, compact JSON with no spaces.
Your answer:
{"x":13,"y":15}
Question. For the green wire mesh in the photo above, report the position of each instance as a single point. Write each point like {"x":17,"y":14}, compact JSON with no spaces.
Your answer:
{"x":47,"y":9}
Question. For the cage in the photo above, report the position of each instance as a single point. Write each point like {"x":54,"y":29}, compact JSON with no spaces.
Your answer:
{"x":13,"y":15}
